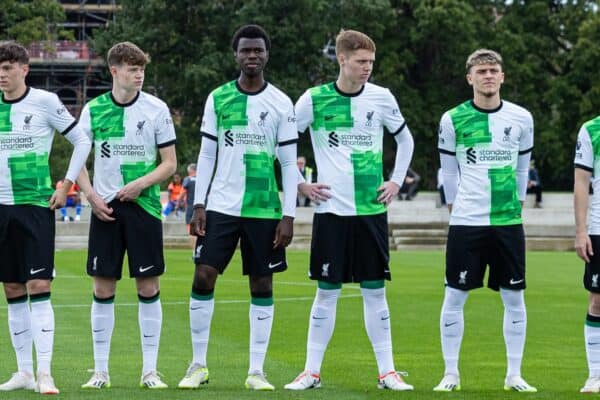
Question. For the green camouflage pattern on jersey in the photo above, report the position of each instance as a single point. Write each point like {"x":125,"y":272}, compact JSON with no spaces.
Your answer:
{"x":30,"y":178}
{"x":149,"y":198}
{"x":5,"y":124}
{"x":470,"y":125}
{"x":368,"y":176}
{"x":593,"y":129}
{"x":330,"y":110}
{"x":230,"y":107}
{"x":107,"y":119}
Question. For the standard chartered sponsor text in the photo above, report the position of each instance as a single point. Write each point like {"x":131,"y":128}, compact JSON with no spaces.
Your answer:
{"x":253,"y":139}
{"x":128,"y":150}
{"x":357,"y":140}
{"x":494,"y":155}
{"x":16,"y":143}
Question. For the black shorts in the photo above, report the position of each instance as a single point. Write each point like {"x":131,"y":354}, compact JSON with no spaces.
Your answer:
{"x":256,"y":235}
{"x":349,"y":248}
{"x":133,"y":230}
{"x":592,"y":269}
{"x":26,"y":243}
{"x":471,"y":248}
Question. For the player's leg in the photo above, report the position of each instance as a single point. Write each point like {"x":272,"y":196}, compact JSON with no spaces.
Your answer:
{"x":465,"y":267}
{"x":592,"y":321}
{"x":19,"y":326}
{"x":211,"y":256}
{"x":260,"y":261}
{"x":328,"y":261}
{"x":106,"y":250}
{"x":507,"y":274}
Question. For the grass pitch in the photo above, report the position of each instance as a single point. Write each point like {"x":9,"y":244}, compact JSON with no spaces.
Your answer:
{"x":554,"y":354}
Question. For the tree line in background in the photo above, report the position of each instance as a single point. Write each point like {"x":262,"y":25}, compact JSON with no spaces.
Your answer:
{"x":551,"y":53}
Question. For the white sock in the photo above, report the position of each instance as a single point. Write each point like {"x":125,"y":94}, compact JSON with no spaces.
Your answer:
{"x":103,"y":323}
{"x":452,"y":325}
{"x":515,"y":326}
{"x":19,"y":326}
{"x":320,"y":327}
{"x":201,"y":312}
{"x":377,"y":323}
{"x":150,"y":320}
{"x":42,"y":326}
{"x":591,"y":332}
{"x":261,"y":321}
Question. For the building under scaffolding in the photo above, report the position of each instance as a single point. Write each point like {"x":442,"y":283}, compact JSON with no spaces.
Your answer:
{"x":70,"y":68}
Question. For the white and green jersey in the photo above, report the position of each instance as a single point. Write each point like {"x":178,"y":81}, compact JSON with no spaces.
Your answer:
{"x":247,"y":128}
{"x":126,"y":138}
{"x":27,"y":127}
{"x":487,"y":144}
{"x":587,"y":156}
{"x":346,"y":131}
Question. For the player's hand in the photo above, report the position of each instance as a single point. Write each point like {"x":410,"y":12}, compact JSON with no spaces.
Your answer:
{"x":583,"y":246}
{"x":387,"y":192}
{"x":198,"y":222}
{"x":100,"y":208}
{"x":284,"y":232}
{"x":316,"y":192}
{"x":131,"y":191}
{"x":58,"y":199}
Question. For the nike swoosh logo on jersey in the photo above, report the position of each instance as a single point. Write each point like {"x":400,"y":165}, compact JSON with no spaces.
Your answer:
{"x":513,"y":282}
{"x":144,"y":269}
{"x":271,"y":266}
{"x":447,"y":324}
{"x":225,"y":116}
{"x":329,"y":117}
{"x":35,"y":271}
{"x":104,"y":129}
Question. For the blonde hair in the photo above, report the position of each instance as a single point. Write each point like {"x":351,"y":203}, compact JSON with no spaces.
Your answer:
{"x":483,"y":56}
{"x":347,"y":41}
{"x":126,"y":53}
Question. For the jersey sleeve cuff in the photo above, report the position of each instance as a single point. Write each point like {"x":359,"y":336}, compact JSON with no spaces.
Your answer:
{"x":69,"y":128}
{"x":529,"y":150}
{"x":286,"y":142}
{"x":584,"y":167}
{"x":399,"y":129}
{"x":166,"y":144}
{"x":209,"y":136}
{"x":444,"y":151}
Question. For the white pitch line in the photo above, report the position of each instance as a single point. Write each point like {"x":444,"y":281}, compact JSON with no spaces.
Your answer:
{"x":179,"y":303}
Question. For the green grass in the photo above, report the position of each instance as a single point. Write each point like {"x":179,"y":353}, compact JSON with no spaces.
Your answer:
{"x":554,"y":354}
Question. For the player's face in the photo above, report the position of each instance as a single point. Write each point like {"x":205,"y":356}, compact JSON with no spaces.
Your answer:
{"x":357,"y":65}
{"x":251,"y":56}
{"x":128,"y":77}
{"x":12,"y":76}
{"x":486,"y":79}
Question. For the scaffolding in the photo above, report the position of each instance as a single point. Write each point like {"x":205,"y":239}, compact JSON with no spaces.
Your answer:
{"x":70,"y":68}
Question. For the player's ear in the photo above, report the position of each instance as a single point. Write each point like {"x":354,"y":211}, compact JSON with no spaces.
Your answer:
{"x":470,"y":79}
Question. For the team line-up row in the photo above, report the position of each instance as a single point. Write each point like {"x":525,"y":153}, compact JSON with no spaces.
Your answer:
{"x":485,"y":146}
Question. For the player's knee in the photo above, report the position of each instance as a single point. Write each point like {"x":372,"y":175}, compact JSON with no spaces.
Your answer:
{"x":148,"y":287}
{"x":38,"y":286}
{"x":512,"y":299}
{"x":14,"y":290}
{"x":205,"y":278}
{"x":455,"y":298}
{"x":594,"y":305}
{"x":261,"y":284}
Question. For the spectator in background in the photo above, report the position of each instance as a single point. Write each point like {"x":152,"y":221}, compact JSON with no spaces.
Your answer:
{"x":440,"y":187}
{"x":410,"y":186}
{"x":307,"y":172}
{"x":73,"y":200}
{"x":174,"y":189}
{"x":187,"y":198}
{"x":534,"y":184}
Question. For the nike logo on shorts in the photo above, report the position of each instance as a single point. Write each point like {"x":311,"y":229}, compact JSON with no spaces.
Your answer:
{"x":144,"y":269}
{"x":513,"y":282}
{"x":271,"y":266}
{"x":35,"y":271}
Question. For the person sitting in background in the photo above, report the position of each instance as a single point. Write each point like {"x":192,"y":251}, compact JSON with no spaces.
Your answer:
{"x":174,"y":189}
{"x":410,"y":186}
{"x":73,"y":200}
{"x":534,"y":184}
{"x":307,"y":173}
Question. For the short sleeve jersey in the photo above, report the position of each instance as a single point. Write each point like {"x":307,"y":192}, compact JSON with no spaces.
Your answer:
{"x":486,"y":144}
{"x":587,"y":157}
{"x":126,"y":138}
{"x":346,"y":131}
{"x":27,"y":127}
{"x":247,"y":128}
